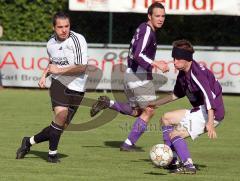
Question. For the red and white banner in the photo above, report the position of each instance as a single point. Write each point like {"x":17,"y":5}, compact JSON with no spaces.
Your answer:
{"x":183,"y":7}
{"x":22,"y":66}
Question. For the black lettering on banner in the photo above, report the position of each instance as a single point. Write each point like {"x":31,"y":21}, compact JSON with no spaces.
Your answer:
{"x":123,"y":55}
{"x":109,"y":56}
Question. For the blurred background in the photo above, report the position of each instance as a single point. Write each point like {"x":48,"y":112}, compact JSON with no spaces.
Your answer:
{"x":108,"y":26}
{"x":30,"y":20}
{"x":213,"y":26}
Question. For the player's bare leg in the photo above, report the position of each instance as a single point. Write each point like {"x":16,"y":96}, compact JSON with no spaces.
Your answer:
{"x":168,"y":121}
{"x":176,"y":137}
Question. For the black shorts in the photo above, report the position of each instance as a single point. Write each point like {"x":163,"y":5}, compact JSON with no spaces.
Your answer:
{"x":62,"y":96}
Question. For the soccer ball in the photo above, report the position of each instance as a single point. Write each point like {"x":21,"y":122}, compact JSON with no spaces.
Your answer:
{"x":161,"y":155}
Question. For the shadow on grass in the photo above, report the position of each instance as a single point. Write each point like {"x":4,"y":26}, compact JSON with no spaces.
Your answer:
{"x":113,"y":144}
{"x":93,"y":146}
{"x":43,"y":154}
{"x":199,"y":167}
{"x":146,"y":160}
{"x":154,"y":173}
{"x":142,"y":160}
{"x":117,"y":144}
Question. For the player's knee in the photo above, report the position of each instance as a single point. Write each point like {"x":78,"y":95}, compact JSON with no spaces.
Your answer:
{"x":180,"y":133}
{"x":61,"y":118}
{"x":165,"y":119}
{"x":136,"y":112}
{"x":147,"y":114}
{"x":149,"y":111}
{"x":174,"y":134}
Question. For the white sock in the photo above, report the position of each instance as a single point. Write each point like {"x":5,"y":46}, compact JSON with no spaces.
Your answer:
{"x":32,"y":140}
{"x":111,"y":103}
{"x":52,"y":152}
{"x":188,"y":162}
{"x":128,"y":142}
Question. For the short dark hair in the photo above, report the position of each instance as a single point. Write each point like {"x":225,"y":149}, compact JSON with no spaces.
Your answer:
{"x":61,"y":15}
{"x":183,"y":44}
{"x":154,"y":5}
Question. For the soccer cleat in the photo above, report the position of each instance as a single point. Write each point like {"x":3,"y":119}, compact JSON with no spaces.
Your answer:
{"x":175,"y":164}
{"x":184,"y":170}
{"x":24,"y":149}
{"x":103,"y":102}
{"x":53,"y":158}
{"x":130,"y":148}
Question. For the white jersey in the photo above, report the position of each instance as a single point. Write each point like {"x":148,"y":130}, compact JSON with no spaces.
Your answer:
{"x":72,"y":51}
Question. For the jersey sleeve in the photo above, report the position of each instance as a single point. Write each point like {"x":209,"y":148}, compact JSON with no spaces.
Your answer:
{"x":202,"y":81}
{"x":80,"y":50}
{"x":144,"y":39}
{"x":49,"y":57}
{"x":48,"y":53}
{"x":178,"y":88}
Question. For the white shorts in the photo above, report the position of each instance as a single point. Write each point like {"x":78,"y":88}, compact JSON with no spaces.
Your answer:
{"x":195,"y":122}
{"x":138,"y":89}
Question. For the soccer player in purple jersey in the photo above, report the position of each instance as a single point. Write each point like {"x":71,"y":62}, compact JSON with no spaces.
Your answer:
{"x":204,"y":93}
{"x":139,"y":88}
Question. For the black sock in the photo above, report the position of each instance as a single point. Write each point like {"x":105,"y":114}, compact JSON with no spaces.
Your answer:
{"x":42,"y":136}
{"x":54,"y":136}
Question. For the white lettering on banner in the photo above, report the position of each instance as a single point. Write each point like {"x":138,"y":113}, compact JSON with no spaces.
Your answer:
{"x":191,"y":7}
{"x":23,"y":66}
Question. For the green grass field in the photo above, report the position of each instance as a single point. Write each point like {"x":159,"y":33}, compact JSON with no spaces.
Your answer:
{"x":95,"y":155}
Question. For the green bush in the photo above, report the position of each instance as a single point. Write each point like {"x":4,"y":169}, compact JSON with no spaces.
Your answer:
{"x":28,"y":20}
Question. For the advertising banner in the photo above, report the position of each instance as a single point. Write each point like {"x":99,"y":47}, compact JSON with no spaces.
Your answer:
{"x":183,"y":7}
{"x":22,"y":66}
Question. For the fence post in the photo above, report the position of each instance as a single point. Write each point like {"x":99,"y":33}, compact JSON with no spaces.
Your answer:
{"x":1,"y":33}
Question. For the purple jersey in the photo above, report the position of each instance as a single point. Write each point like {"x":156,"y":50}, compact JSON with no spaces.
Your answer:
{"x":201,"y":88}
{"x":142,"y":50}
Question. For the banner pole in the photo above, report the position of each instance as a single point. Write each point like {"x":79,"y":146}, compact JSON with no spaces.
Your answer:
{"x":110,"y":27}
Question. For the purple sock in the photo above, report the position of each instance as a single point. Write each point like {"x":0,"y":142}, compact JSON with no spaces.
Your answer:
{"x":123,"y":108}
{"x":165,"y":132}
{"x":138,"y":129}
{"x":166,"y":138}
{"x":181,"y":148}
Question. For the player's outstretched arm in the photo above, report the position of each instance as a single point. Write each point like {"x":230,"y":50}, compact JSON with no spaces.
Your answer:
{"x":162,"y":101}
{"x":71,"y":70}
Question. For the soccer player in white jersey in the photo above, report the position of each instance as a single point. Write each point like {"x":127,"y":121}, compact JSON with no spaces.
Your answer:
{"x":67,"y":51}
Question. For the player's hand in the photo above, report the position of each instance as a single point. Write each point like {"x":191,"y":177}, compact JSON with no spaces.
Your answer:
{"x":53,"y":69}
{"x":42,"y":82}
{"x":211,"y":130}
{"x":163,"y":66}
